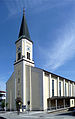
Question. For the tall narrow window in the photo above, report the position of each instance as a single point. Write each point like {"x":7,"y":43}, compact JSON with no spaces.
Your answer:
{"x":19,"y":56}
{"x":18,"y":93}
{"x":52,"y":88}
{"x":18,"y":80}
{"x":65,"y":90}
{"x":59,"y":88}
{"x":28,"y":55}
{"x":70,"y":89}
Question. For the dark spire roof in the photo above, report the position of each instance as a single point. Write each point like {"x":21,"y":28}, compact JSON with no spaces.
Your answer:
{"x":24,"y":33}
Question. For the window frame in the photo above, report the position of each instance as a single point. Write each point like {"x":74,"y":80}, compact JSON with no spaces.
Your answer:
{"x":52,"y":88}
{"x":60,"y":88}
{"x":65,"y":89}
{"x":18,"y":80}
{"x":28,"y":55}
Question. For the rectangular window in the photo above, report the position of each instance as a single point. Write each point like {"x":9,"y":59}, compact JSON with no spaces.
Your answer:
{"x":28,"y":55}
{"x":72,"y":102}
{"x":65,"y":90}
{"x":52,"y":88}
{"x":70,"y":89}
{"x":59,"y":88}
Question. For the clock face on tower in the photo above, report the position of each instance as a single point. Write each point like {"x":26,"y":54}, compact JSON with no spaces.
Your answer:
{"x":19,"y":49}
{"x":28,"y":49}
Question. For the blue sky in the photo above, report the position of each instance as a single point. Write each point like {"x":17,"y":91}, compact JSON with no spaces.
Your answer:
{"x":51,"y":25}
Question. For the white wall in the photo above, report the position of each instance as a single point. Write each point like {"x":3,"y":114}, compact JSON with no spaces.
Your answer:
{"x":25,"y":45}
{"x":36,"y":88}
{"x":28,"y":77}
{"x":10,"y":93}
{"x":46,"y":89}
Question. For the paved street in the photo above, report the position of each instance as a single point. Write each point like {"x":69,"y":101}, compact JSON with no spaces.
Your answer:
{"x":37,"y":115}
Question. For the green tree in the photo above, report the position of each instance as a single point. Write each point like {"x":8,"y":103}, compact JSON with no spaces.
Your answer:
{"x":3,"y":104}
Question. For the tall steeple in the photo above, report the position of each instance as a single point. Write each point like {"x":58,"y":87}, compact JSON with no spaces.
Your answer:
{"x":24,"y":45}
{"x":24,"y":33}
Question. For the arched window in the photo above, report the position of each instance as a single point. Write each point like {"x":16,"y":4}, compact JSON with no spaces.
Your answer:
{"x":18,"y":93}
{"x":18,"y":80}
{"x":65,"y":89}
{"x":19,"y":55}
{"x":28,"y":55}
{"x":59,"y":88}
{"x":52,"y":88}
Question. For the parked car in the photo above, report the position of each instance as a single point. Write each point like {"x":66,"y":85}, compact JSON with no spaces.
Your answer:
{"x":72,"y":109}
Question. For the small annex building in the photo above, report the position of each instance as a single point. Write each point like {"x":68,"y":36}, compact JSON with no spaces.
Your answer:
{"x":43,"y":89}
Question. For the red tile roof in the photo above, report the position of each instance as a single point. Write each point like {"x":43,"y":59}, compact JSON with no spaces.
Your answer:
{"x":2,"y":92}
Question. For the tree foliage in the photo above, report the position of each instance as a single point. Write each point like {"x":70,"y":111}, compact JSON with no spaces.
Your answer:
{"x":3,"y":104}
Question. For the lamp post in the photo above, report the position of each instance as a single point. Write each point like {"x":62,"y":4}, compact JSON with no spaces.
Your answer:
{"x":19,"y":107}
{"x":28,"y":106}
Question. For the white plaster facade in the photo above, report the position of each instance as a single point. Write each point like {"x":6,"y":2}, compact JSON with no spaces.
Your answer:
{"x":37,"y":88}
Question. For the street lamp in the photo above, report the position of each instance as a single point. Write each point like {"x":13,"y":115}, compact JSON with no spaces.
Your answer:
{"x":28,"y":106}
{"x":19,"y":107}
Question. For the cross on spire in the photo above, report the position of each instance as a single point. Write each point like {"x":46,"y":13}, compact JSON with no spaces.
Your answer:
{"x":23,"y":11}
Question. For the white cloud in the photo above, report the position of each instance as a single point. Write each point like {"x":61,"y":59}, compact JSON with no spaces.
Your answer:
{"x":63,"y":49}
{"x":16,"y":6}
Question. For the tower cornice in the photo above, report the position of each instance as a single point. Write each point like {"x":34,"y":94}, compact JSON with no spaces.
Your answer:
{"x":23,"y":37}
{"x":23,"y":60}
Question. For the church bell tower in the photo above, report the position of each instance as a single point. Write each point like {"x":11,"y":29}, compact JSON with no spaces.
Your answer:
{"x":24,"y":57}
{"x":24,"y":44}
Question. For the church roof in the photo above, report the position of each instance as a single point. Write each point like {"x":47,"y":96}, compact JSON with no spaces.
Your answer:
{"x":24,"y":33}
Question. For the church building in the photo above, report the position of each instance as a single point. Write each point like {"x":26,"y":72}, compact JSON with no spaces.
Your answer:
{"x":44,"y":90}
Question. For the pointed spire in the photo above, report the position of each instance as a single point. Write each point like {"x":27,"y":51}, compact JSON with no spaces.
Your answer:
{"x":24,"y":33}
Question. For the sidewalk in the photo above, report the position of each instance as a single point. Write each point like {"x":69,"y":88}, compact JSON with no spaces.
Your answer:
{"x":33,"y":112}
